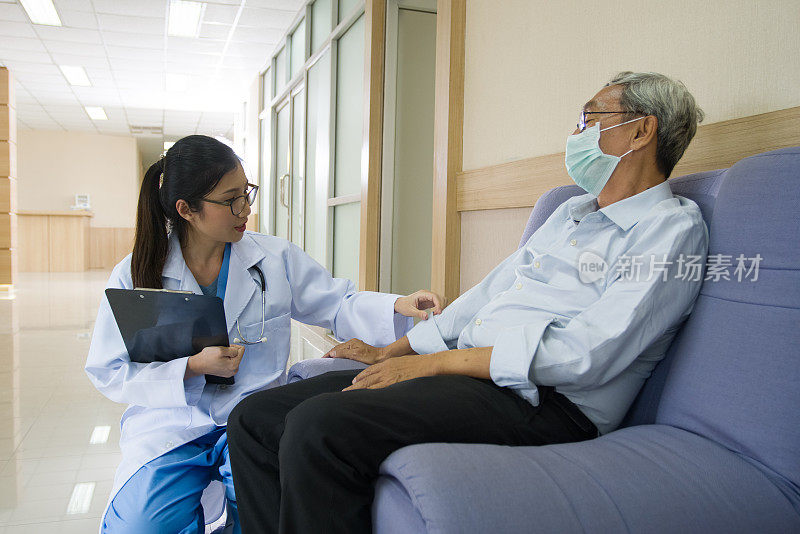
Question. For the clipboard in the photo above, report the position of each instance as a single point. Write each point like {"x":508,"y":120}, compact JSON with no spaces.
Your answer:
{"x":160,"y":325}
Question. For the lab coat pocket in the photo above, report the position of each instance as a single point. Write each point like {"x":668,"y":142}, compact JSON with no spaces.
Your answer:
{"x":138,"y":420}
{"x":269,"y":355}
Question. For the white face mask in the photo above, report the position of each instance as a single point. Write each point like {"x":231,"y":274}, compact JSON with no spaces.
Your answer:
{"x":587,"y":165}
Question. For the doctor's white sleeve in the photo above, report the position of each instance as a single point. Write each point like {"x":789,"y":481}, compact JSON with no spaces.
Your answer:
{"x":151,"y":385}
{"x":334,"y":303}
{"x":441,"y":332}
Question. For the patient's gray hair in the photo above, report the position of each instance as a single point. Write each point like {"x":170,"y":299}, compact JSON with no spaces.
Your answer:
{"x":670,"y":102}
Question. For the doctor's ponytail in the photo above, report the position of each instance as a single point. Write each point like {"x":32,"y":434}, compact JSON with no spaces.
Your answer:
{"x":151,"y":243}
{"x":189,"y":171}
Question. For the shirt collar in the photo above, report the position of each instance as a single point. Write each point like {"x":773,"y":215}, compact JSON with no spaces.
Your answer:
{"x":626,"y":212}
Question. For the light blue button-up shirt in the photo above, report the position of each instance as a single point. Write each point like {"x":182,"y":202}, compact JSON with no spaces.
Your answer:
{"x":589,"y":305}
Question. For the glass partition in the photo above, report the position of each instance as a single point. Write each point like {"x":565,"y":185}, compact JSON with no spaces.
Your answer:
{"x":320,"y":23}
{"x":349,"y":111}
{"x":298,"y":49}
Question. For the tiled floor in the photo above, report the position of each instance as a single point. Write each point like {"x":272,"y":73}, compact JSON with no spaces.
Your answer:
{"x":49,"y":410}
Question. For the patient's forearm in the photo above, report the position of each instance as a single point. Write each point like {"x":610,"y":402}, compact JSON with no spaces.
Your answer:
{"x":401,"y":347}
{"x":470,"y":362}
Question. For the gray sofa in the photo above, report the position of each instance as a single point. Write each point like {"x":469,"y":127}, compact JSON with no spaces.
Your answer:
{"x":712,"y":442}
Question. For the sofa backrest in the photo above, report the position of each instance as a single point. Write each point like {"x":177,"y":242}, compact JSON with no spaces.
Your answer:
{"x":732,"y":373}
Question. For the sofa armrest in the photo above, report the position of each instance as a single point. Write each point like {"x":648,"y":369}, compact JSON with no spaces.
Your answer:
{"x":651,"y":478}
{"x":317,"y":366}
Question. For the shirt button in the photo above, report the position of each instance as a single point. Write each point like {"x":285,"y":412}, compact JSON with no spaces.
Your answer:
{"x":168,"y":445}
{"x":223,"y":386}
{"x":478,"y":322}
{"x":518,"y":286}
{"x":536,"y":264}
{"x":573,"y":242}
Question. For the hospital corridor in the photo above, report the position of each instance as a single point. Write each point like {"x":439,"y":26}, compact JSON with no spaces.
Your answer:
{"x":59,"y":438}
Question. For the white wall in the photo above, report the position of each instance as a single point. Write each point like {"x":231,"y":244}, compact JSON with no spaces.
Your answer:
{"x":530,"y":66}
{"x":55,"y":165}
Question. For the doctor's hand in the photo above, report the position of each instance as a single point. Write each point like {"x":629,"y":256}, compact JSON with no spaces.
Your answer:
{"x":396,"y":370}
{"x":415,"y":304}
{"x":217,"y":361}
{"x":357,"y":350}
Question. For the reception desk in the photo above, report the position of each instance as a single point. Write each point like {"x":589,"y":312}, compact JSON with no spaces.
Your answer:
{"x":53,"y":241}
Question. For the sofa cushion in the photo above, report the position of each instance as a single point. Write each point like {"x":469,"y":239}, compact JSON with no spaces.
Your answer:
{"x":735,"y":369}
{"x":650,"y":478}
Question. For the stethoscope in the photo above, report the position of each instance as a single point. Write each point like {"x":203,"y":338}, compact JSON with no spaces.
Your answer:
{"x":241,"y":339}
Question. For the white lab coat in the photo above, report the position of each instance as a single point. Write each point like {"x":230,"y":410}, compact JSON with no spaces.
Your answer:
{"x":165,"y":411}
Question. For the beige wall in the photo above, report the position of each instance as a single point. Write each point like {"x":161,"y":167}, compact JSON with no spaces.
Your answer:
{"x":530,"y":66}
{"x":55,"y":165}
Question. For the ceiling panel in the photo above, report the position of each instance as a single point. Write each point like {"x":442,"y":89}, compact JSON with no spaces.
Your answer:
{"x":22,"y":43}
{"x":78,"y":19}
{"x":78,"y":60}
{"x":78,"y":49}
{"x":75,"y":35}
{"x":123,"y":46}
{"x":215,"y":31}
{"x":78,"y":5}
{"x":132,"y":7}
{"x":16,"y":29}
{"x":220,"y":13}
{"x":266,"y":18}
{"x":12,"y":12}
{"x":130,"y":24}
{"x":133,"y":40}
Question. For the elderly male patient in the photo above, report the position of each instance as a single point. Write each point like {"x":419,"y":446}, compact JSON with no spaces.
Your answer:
{"x":543,"y":350}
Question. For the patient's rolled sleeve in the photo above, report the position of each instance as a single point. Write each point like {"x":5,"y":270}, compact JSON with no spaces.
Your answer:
{"x":425,"y":338}
{"x":511,"y":358}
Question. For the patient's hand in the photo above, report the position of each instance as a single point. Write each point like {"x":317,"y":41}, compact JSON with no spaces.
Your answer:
{"x":396,"y":370}
{"x":355,"y":349}
{"x":415,"y":304}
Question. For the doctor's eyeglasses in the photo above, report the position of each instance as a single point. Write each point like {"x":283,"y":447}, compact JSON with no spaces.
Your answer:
{"x":237,"y":204}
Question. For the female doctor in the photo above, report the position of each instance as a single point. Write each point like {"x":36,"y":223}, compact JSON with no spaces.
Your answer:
{"x":173,"y":432}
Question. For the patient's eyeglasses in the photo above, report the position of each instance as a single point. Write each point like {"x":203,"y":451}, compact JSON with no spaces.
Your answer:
{"x":582,"y":117}
{"x":237,"y":204}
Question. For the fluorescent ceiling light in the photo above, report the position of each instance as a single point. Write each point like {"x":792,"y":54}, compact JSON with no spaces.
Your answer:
{"x":184,"y":18}
{"x":75,"y":75}
{"x":168,"y":145}
{"x":41,"y":12}
{"x":176,"y":82}
{"x":99,"y":435}
{"x":96,"y":113}
{"x":81,"y":498}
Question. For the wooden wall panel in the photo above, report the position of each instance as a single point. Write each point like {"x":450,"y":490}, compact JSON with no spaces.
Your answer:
{"x":67,"y":240}
{"x":448,"y":138}
{"x":101,"y":248}
{"x":8,"y":159}
{"x":123,"y":243}
{"x":8,"y":195}
{"x":34,"y":247}
{"x":8,"y":266}
{"x":8,"y":230}
{"x":372,"y":147}
{"x":716,"y":146}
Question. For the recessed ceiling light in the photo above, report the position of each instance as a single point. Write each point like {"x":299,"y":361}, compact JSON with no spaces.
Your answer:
{"x":96,"y":113}
{"x":75,"y":75}
{"x":176,"y":82}
{"x":184,"y":18}
{"x":41,"y":12}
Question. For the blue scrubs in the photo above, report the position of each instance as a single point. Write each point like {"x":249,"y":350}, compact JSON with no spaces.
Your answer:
{"x":164,"y":494}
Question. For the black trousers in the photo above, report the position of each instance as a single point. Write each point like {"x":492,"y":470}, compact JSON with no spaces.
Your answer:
{"x":305,"y":456}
